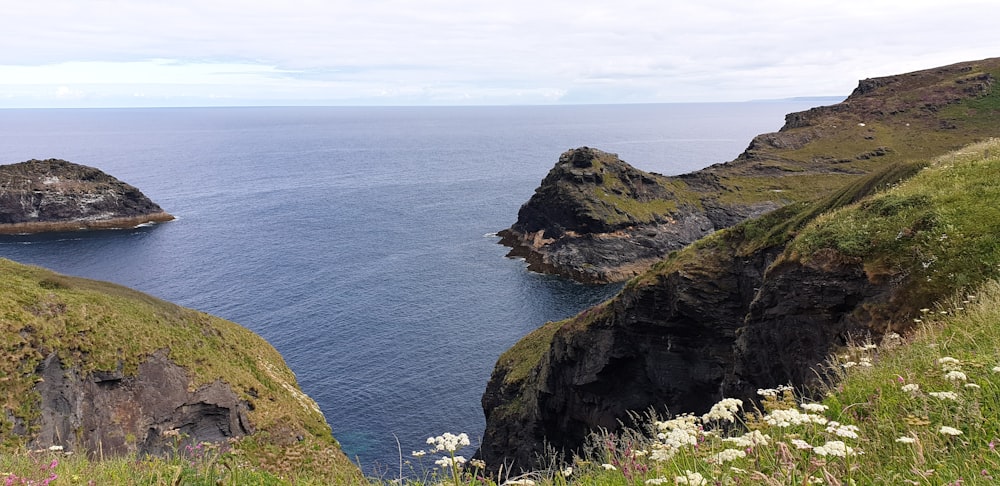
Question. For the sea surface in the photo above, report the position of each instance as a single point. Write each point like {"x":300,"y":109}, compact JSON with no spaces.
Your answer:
{"x":360,"y":242}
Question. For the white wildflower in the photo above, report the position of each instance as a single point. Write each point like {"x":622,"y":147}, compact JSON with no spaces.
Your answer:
{"x":419,"y":453}
{"x":691,"y":478}
{"x":448,"y":442}
{"x":865,"y":362}
{"x":972,"y":386}
{"x":55,"y":448}
{"x":949,"y":431}
{"x":728,"y":455}
{"x":906,"y":440}
{"x":567,"y":472}
{"x":749,"y":439}
{"x":519,"y":482}
{"x":911,"y":387}
{"x":955,"y":375}
{"x":834,"y":448}
{"x":724,"y":410}
{"x":996,"y":369}
{"x":662,"y":453}
{"x":609,"y":467}
{"x":801,"y":444}
{"x":949,"y":364}
{"x":656,"y":481}
{"x":816,"y":480}
{"x":791,"y":416}
{"x":868,"y":347}
{"x":447,"y":461}
{"x":848,"y":365}
{"x":773,"y":392}
{"x":814,"y":407}
{"x":945,"y":395}
{"x":477,"y":463}
{"x":849,"y":431}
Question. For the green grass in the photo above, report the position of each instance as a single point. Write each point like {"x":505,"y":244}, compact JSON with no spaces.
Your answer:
{"x":883,"y":394}
{"x":94,"y":325}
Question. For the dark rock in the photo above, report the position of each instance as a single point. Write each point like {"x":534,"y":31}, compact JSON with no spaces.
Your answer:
{"x":56,"y":195}
{"x":149,"y":413}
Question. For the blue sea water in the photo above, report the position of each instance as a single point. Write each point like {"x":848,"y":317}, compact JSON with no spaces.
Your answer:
{"x":358,"y":241}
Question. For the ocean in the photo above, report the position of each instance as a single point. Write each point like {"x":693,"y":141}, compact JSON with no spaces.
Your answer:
{"x":360,"y":242}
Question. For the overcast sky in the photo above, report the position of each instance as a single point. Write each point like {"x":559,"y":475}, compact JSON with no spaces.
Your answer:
{"x":469,"y":52}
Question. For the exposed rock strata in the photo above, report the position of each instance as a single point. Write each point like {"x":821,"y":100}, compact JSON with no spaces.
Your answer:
{"x":56,"y":195}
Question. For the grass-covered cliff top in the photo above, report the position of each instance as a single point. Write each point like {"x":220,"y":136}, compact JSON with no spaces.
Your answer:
{"x":98,"y":326}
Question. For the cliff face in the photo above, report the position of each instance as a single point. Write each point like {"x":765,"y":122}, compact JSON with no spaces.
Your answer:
{"x":596,"y":219}
{"x":768,"y":300}
{"x":55,"y":195}
{"x":101,"y":369}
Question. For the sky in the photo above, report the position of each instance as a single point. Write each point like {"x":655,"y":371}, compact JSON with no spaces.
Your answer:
{"x":121,"y":53}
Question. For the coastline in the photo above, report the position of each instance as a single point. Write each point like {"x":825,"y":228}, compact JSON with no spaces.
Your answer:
{"x":123,"y":222}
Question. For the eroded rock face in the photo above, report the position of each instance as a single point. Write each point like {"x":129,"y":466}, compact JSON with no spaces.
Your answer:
{"x":56,"y":195}
{"x":110,"y":413}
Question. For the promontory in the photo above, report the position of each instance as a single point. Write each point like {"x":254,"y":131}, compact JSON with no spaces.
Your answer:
{"x":55,"y":195}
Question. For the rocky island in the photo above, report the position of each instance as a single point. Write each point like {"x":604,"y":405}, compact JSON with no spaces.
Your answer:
{"x":885,"y":204}
{"x":56,"y":195}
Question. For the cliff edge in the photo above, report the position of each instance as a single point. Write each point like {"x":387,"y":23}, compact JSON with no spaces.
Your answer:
{"x":594,"y":218}
{"x":56,"y":195}
{"x":100,"y":369}
{"x":766,"y":301}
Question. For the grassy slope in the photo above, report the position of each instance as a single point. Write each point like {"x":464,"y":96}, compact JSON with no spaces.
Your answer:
{"x":100,"y":326}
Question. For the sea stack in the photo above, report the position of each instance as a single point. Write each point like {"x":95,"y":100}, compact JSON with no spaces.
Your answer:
{"x":55,"y":195}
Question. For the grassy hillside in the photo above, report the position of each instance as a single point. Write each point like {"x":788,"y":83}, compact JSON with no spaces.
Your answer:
{"x":97,"y":326}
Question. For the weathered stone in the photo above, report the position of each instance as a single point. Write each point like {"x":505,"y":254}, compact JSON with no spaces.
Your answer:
{"x":56,"y":195}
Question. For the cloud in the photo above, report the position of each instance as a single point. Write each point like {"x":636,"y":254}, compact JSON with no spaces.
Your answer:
{"x":471,"y":51}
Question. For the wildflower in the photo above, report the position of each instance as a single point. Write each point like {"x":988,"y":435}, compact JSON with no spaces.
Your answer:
{"x":567,"y":472}
{"x":911,"y":387}
{"x":950,"y":431}
{"x":955,"y":375}
{"x":849,"y":431}
{"x":448,"y":442}
{"x":728,"y":455}
{"x":945,"y":395}
{"x":477,"y":463}
{"x":948,"y":363}
{"x":972,"y":386}
{"x":609,"y":467}
{"x":868,"y":347}
{"x":691,"y":478}
{"x":814,"y":407}
{"x":790,"y":417}
{"x":834,"y":448}
{"x":656,"y":481}
{"x":446,"y":462}
{"x":996,"y":369}
{"x":773,"y":392}
{"x":55,"y":448}
{"x":419,"y":453}
{"x":906,"y":440}
{"x":724,"y":410}
{"x":848,"y":365}
{"x":801,"y":444}
{"x":865,"y":362}
{"x":662,"y":453}
{"x":519,"y":482}
{"x":749,"y":439}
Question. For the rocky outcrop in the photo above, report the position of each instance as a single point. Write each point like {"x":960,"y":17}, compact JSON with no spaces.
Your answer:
{"x":597,"y":219}
{"x":96,"y":368}
{"x":56,"y":195}
{"x":149,"y":413}
{"x":754,"y":305}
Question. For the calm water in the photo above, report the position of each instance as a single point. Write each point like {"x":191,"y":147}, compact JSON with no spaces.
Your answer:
{"x":358,"y":241}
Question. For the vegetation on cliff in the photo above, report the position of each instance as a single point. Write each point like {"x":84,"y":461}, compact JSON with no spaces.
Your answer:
{"x":95,"y":337}
{"x":598,"y":225}
{"x":761,"y":304}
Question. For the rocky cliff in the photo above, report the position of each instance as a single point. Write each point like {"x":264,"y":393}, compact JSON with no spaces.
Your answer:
{"x":56,"y":195}
{"x":101,"y":369}
{"x":766,"y":301}
{"x":596,"y":219}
